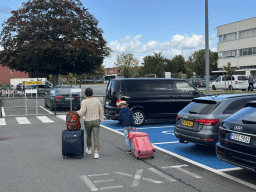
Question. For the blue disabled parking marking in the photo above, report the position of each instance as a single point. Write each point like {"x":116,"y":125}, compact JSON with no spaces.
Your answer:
{"x":162,"y":135}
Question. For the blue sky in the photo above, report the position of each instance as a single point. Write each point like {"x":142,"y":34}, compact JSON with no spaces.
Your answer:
{"x":142,"y":27}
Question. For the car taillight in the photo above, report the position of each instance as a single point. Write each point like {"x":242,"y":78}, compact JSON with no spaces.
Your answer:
{"x":58,"y":97}
{"x":236,"y":82}
{"x":254,"y":136}
{"x":178,"y":117}
{"x":207,"y":121}
{"x":117,"y":102}
{"x":200,"y":82}
{"x":78,"y":97}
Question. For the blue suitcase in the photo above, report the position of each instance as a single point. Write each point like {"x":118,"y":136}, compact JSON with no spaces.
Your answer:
{"x":73,"y":143}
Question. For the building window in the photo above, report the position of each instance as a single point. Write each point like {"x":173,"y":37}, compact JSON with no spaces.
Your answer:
{"x":244,"y":52}
{"x":254,"y":50}
{"x":221,"y":38}
{"x":249,"y":51}
{"x":240,"y":52}
{"x":220,"y":55}
{"x":233,"y":53}
{"x":250,"y":33}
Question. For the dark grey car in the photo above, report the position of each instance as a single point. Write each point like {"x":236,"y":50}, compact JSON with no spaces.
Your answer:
{"x":199,"y":121}
{"x":63,"y":97}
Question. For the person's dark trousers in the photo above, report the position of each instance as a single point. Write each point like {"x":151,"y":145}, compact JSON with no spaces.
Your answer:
{"x":250,"y":88}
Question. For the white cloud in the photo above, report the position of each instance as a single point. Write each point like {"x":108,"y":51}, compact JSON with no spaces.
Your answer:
{"x":178,"y":44}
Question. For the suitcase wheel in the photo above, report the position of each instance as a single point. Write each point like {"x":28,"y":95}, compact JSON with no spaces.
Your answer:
{"x":137,"y":158}
{"x":64,"y":157}
{"x":153,"y":157}
{"x":81,"y":157}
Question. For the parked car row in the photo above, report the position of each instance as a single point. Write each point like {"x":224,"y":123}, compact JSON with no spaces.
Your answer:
{"x":225,"y":122}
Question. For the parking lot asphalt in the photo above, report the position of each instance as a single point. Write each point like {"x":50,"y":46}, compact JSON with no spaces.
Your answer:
{"x":162,"y":136}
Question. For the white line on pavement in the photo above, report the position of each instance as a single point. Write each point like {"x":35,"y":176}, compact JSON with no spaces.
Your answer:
{"x":63,"y":117}
{"x":195,"y":163}
{"x":112,"y":187}
{"x":231,"y":169}
{"x":3,"y":113}
{"x":101,"y":181}
{"x":2,"y":121}
{"x":46,"y":110}
{"x":137,"y":177}
{"x":22,"y":120}
{"x":168,"y":178}
{"x":179,"y":167}
{"x":89,"y":183}
{"x":44,"y":119}
{"x":165,"y":142}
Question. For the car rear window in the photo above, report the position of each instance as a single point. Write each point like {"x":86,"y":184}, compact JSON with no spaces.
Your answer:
{"x":200,"y":107}
{"x":245,"y":114}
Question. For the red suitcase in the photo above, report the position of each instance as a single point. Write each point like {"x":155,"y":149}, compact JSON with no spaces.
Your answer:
{"x":73,"y":121}
{"x":141,"y":144}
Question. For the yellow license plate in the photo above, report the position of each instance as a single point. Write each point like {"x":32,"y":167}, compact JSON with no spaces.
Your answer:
{"x":187,"y":123}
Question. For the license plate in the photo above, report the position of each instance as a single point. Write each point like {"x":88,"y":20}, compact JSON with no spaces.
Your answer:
{"x":68,"y":98}
{"x":187,"y":123}
{"x":107,"y":102}
{"x":238,"y":137}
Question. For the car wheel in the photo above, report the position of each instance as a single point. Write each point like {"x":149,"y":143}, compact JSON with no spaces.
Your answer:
{"x":139,"y":117}
{"x":214,"y":88}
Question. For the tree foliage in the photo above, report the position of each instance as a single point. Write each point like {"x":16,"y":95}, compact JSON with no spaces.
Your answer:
{"x":53,"y":36}
{"x":127,"y":63}
{"x":153,"y":65}
{"x":199,"y":62}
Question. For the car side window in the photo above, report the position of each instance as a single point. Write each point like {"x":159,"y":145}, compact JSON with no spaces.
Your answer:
{"x":236,"y":106}
{"x":219,"y":79}
{"x":184,"y":88}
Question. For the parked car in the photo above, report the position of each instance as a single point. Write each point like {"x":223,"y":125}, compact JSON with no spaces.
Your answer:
{"x":237,"y":138}
{"x":199,"y":82}
{"x":149,"y":98}
{"x":199,"y":121}
{"x":62,"y":97}
{"x":224,"y":82}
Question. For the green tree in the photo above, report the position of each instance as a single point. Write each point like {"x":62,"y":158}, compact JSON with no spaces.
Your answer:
{"x":153,"y":65}
{"x":126,"y":62}
{"x":199,"y":61}
{"x":53,"y":36}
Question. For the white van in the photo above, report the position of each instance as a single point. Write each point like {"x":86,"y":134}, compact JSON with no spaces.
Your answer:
{"x":238,"y":82}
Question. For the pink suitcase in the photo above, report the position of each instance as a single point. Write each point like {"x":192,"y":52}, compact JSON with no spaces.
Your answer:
{"x":141,"y":144}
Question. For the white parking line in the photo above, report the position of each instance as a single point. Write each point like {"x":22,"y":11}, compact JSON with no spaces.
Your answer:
{"x":46,"y":110}
{"x":231,"y":169}
{"x":196,"y":163}
{"x":3,"y":113}
{"x":63,"y":117}
{"x":2,"y":121}
{"x":165,"y":143}
{"x":22,"y":120}
{"x":44,"y":119}
{"x":88,"y":182}
{"x":179,"y":167}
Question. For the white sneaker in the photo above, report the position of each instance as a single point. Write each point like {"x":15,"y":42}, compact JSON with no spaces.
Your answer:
{"x":96,"y":156}
{"x":89,"y":152}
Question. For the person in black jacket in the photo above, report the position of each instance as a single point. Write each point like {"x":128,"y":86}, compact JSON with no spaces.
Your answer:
{"x":126,"y":120}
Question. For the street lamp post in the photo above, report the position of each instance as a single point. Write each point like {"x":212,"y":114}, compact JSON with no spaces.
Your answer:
{"x":207,"y":48}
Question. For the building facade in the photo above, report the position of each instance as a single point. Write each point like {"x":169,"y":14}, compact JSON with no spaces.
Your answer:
{"x":6,"y":74}
{"x":237,"y":45}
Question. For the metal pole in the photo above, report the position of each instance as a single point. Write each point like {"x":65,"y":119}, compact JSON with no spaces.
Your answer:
{"x":207,"y":48}
{"x":26,"y":107}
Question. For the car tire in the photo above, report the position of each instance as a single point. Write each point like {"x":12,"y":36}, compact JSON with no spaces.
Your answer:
{"x":139,"y":117}
{"x":214,"y":88}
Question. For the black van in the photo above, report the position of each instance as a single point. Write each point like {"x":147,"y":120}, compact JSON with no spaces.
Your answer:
{"x":149,"y":98}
